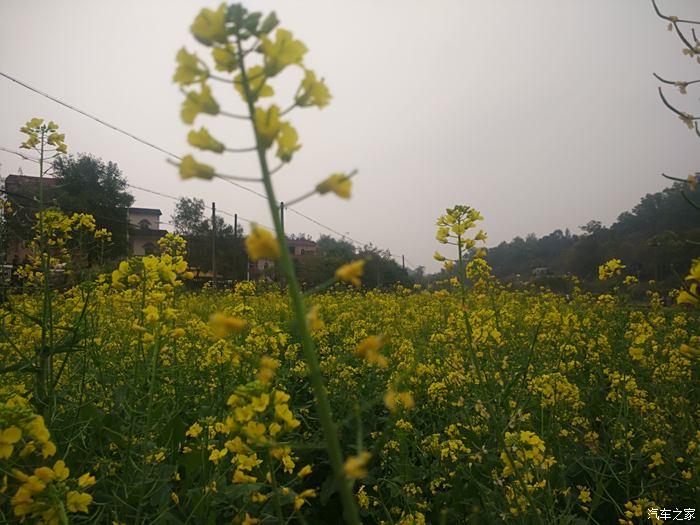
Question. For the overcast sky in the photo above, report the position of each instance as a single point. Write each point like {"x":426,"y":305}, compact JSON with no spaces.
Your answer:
{"x":541,"y":114}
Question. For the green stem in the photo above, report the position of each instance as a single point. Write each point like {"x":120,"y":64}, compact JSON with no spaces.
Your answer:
{"x":463,"y":297}
{"x":44,"y":368}
{"x":323,"y":406}
{"x":275,"y":488}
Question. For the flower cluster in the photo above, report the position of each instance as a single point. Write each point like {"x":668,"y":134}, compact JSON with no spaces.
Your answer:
{"x":48,"y":493}
{"x":610,"y":269}
{"x":60,"y":243}
{"x":250,"y":448}
{"x":525,"y":463}
{"x":452,"y":227}
{"x":40,"y":134}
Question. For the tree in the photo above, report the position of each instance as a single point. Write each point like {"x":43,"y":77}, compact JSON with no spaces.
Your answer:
{"x":189,"y":218}
{"x":591,"y":227}
{"x":89,"y":185}
{"x":381,"y":270}
{"x":331,"y":253}
{"x":191,"y":222}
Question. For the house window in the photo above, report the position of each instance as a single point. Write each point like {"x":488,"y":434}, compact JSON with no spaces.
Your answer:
{"x":149,"y":248}
{"x":145,"y":224}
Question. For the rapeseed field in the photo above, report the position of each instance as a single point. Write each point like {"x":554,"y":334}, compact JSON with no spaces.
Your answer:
{"x":127,"y":399}
{"x":168,"y":406}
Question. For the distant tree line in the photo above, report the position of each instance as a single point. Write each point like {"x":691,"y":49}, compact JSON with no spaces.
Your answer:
{"x":656,"y":240}
{"x":380,"y":271}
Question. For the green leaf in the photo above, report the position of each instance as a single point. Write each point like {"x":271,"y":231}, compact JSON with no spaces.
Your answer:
{"x":268,"y":24}
{"x":251,"y":22}
{"x":328,"y":488}
{"x":236,"y":14}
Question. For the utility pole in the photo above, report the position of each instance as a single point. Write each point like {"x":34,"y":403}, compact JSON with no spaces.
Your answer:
{"x":213,"y":244}
{"x":403,"y":262}
{"x":277,"y":267}
{"x":235,"y":244}
{"x":129,"y":251}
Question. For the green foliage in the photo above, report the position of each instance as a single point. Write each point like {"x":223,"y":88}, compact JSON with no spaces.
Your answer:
{"x":652,"y":240}
{"x":190,"y":221}
{"x":89,"y":185}
{"x":380,"y":270}
{"x":188,"y":218}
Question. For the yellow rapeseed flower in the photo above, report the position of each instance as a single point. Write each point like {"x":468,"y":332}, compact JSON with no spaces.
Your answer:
{"x":313,"y":319}
{"x":202,"y":139}
{"x":222,"y":325}
{"x":281,"y":53}
{"x":610,"y":269}
{"x":689,"y":296}
{"x":194,"y":430}
{"x":196,"y":103}
{"x":86,"y":480}
{"x":689,"y":352}
{"x":61,"y":472}
{"x":190,"y":168}
{"x":267,"y":125}
{"x":8,"y":438}
{"x":356,"y":466}
{"x":249,"y":520}
{"x":241,"y":477}
{"x":210,"y":26}
{"x":393,"y":400}
{"x":224,"y":59}
{"x":287,"y":142}
{"x":338,"y":183}
{"x":313,"y":92}
{"x":694,"y":274}
{"x":351,"y":272}
{"x":256,"y":83}
{"x":189,"y":69}
{"x":261,"y":244}
{"x":78,"y":501}
{"x":305,"y":471}
{"x":369,"y":349}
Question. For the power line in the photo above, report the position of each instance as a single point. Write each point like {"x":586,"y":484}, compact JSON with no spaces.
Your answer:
{"x":171,"y":197}
{"x":20,"y":154}
{"x":88,"y":115}
{"x":324,"y":226}
{"x":154,"y":192}
{"x":162,"y":150}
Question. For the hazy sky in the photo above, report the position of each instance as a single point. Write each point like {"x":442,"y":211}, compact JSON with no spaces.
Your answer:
{"x":542,"y":114}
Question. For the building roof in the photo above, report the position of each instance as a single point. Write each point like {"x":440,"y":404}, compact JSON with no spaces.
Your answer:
{"x":17,"y":183}
{"x":300,"y":242}
{"x":151,"y":211}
